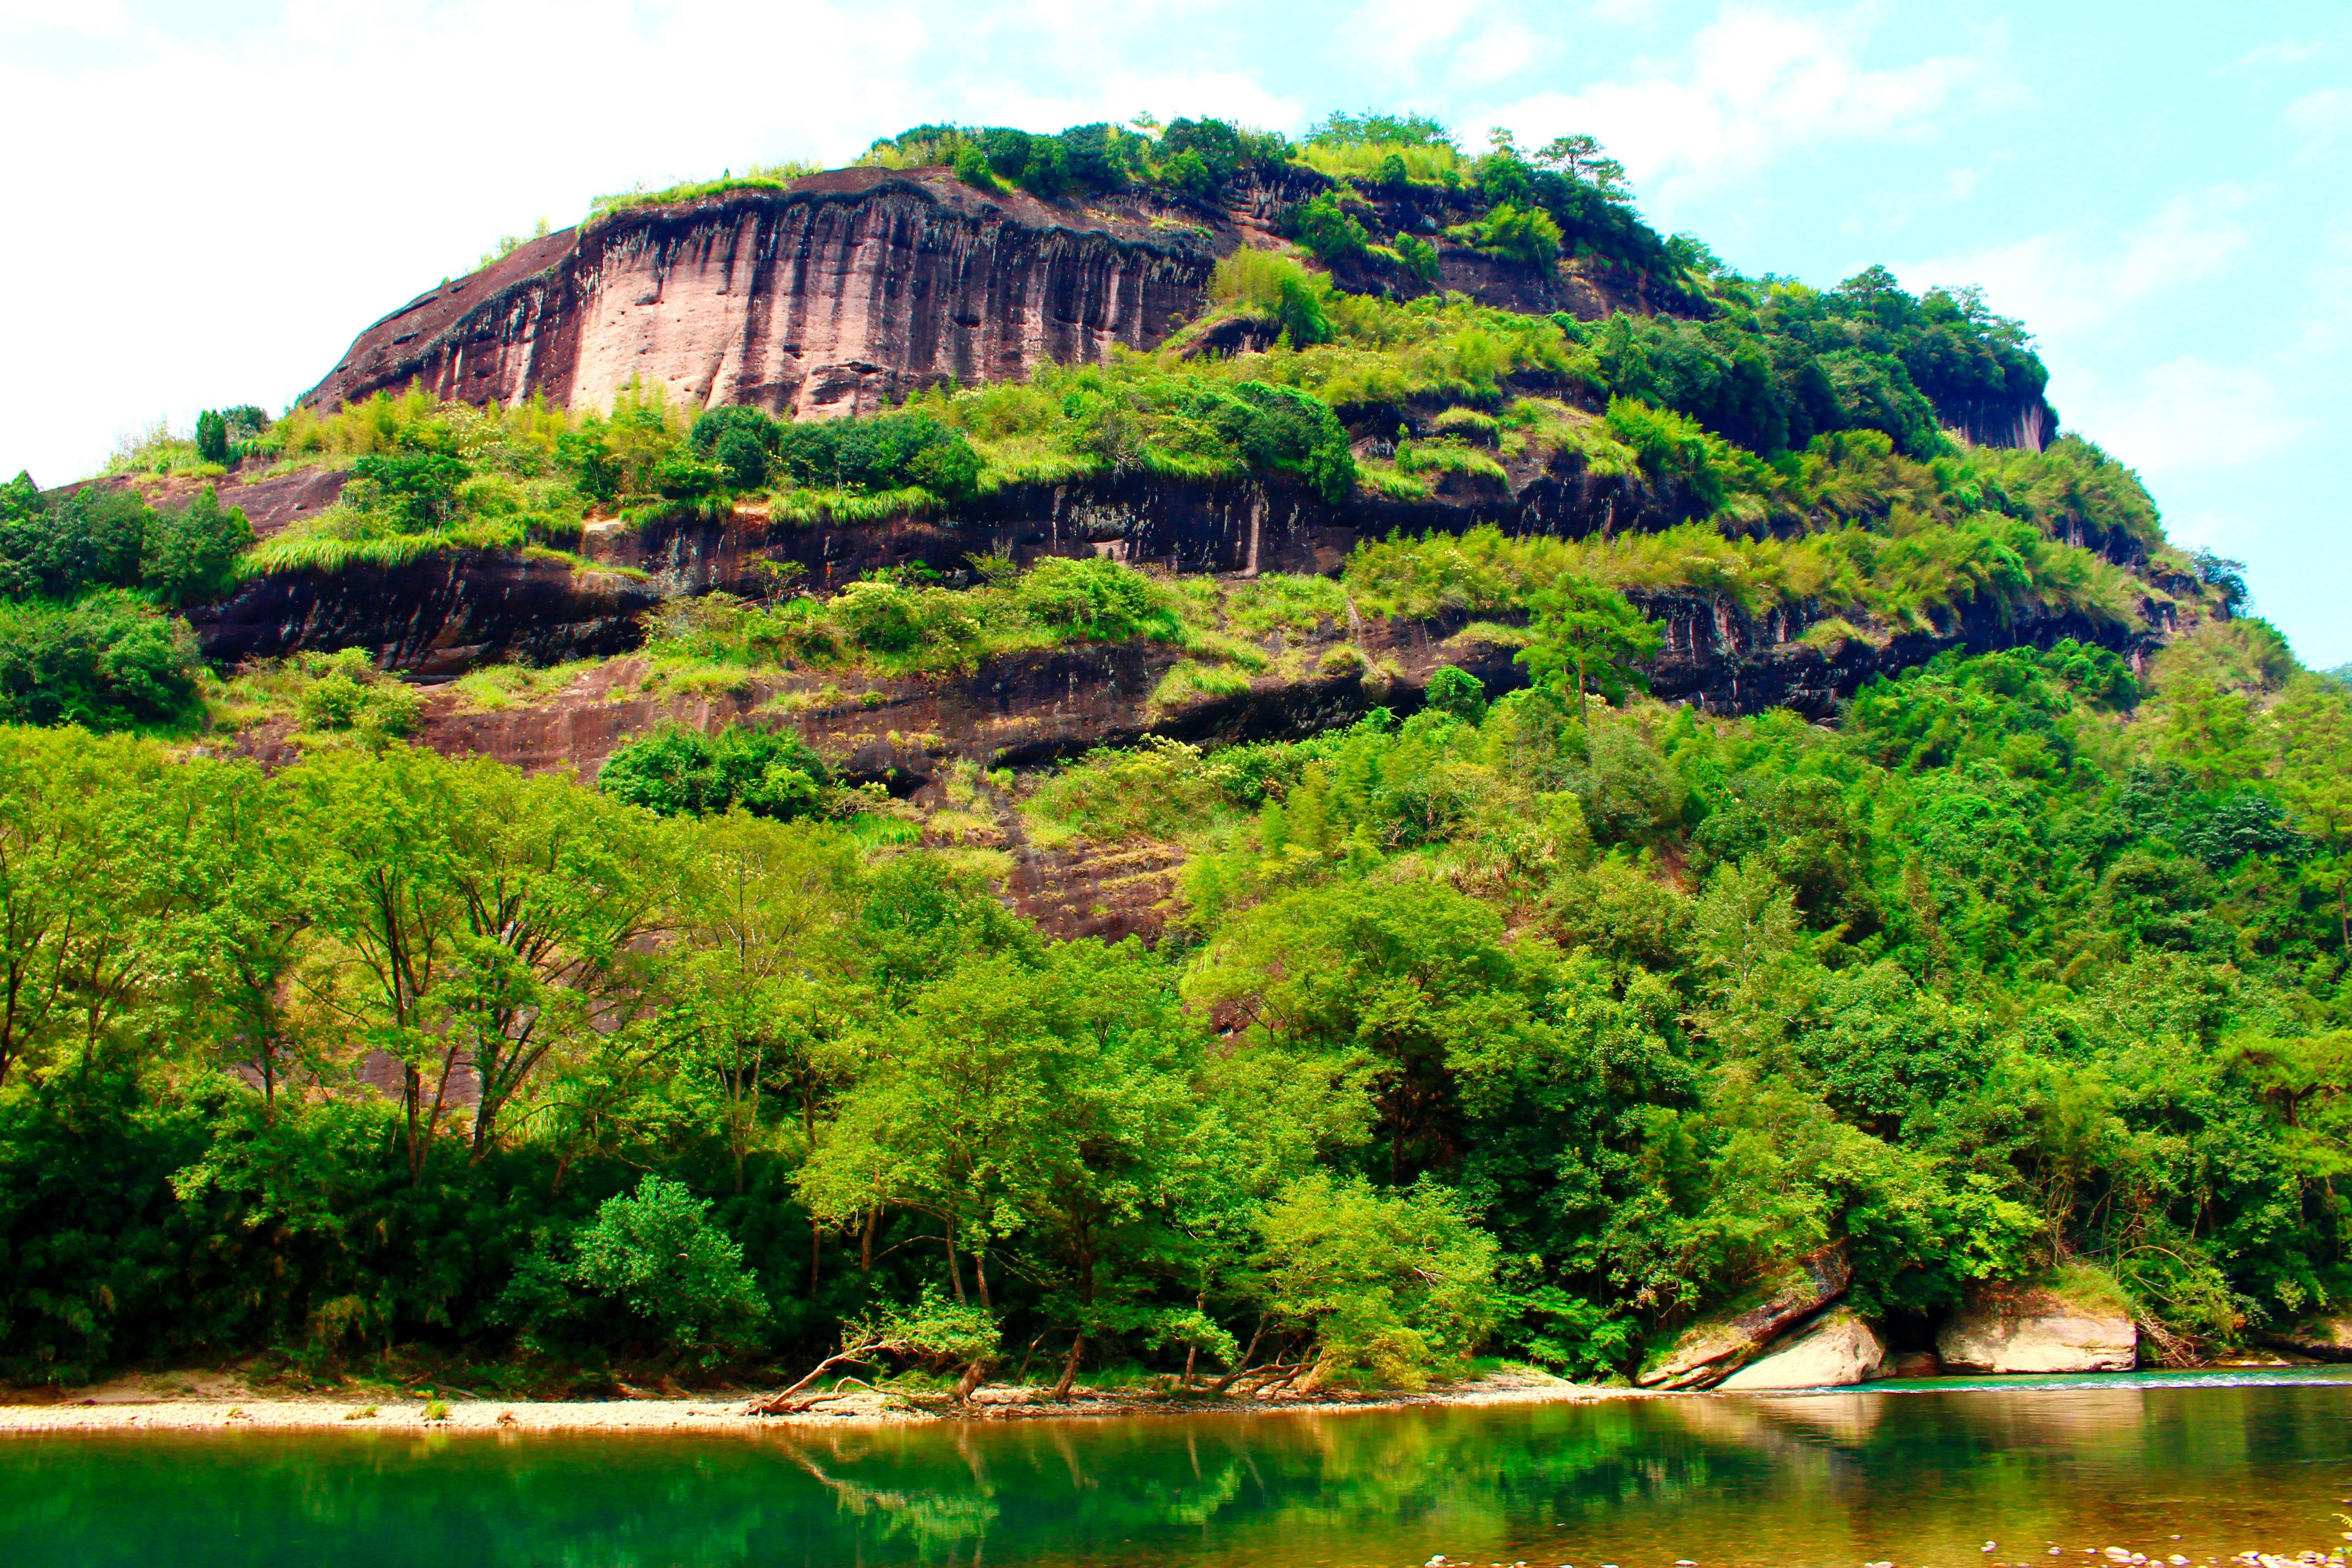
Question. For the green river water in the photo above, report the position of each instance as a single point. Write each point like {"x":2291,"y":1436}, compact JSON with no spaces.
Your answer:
{"x":1921,"y":1477}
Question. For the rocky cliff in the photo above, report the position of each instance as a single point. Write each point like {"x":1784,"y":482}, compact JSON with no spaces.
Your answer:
{"x":848,"y":290}
{"x":855,"y":286}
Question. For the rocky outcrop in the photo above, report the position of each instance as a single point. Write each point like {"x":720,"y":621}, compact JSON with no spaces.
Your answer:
{"x":270,"y":502}
{"x":1708,"y":1351}
{"x":436,"y":616}
{"x":1913,"y":1364}
{"x":2031,"y":1329}
{"x":2321,"y":1338}
{"x":1833,"y":1351}
{"x":855,"y":287}
{"x":833,"y":297}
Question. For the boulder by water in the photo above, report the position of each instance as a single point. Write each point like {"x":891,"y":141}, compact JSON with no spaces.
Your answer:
{"x":1833,"y":1350}
{"x":2074,"y":1321}
{"x":2321,"y":1338}
{"x":1708,"y":1351}
{"x":1912,"y":1363}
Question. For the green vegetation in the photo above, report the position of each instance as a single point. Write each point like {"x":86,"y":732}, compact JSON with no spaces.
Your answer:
{"x":1525,"y":1023}
{"x":768,"y":773}
{"x":87,"y":580}
{"x":891,"y":624}
{"x":1553,"y":1032}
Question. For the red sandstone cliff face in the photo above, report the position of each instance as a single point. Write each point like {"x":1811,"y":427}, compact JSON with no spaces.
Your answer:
{"x":858,"y":286}
{"x":849,"y":290}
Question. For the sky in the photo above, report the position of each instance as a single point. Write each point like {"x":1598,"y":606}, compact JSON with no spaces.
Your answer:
{"x":209,"y":201}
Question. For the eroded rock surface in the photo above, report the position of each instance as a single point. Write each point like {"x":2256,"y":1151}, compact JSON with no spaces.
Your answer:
{"x":1708,"y":1351}
{"x":2037,"y":1332}
{"x":2321,"y":1338}
{"x":846,"y":290}
{"x":1833,"y":1351}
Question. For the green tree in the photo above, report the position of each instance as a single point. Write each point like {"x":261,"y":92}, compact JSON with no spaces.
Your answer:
{"x":763,"y":938}
{"x":656,"y":1252}
{"x":107,"y":662}
{"x":1580,"y":630}
{"x":2313,"y":729}
{"x":73,"y":891}
{"x":1398,"y":1285}
{"x":1327,"y":230}
{"x":1048,"y":1103}
{"x":190,"y":556}
{"x":675,"y":770}
{"x":212,"y":437}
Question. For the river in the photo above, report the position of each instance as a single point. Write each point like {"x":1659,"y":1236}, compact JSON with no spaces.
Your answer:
{"x":1921,"y":1475}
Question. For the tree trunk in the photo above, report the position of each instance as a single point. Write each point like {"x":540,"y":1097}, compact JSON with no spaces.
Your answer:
{"x":979,"y":1279}
{"x":778,"y":1403}
{"x":866,"y":1241}
{"x":1241,"y":1364}
{"x":816,"y":1253}
{"x":1070,"y":1368}
{"x":955,"y":1271}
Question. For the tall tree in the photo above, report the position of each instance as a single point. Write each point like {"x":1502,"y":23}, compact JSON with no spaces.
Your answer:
{"x":1583,"y":631}
{"x":2313,"y":727}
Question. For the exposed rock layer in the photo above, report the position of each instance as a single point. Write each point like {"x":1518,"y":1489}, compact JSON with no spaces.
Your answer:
{"x":2037,"y":1332}
{"x":1835,"y":1350}
{"x":1707,"y":1352}
{"x":851,"y":289}
{"x":436,"y":616}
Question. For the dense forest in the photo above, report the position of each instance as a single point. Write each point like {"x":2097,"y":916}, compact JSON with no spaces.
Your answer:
{"x":1536,"y":1023}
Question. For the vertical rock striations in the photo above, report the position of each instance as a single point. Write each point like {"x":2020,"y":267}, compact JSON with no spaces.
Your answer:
{"x":830,"y":298}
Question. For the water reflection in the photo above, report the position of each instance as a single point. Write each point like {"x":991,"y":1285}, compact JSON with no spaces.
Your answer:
{"x":1832,"y":1480}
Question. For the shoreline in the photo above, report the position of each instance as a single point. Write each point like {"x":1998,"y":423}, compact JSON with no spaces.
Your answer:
{"x":120,"y":1407}
{"x":119,"y":1410}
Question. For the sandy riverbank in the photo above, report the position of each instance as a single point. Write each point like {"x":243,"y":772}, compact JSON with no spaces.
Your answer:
{"x":179,"y":1403}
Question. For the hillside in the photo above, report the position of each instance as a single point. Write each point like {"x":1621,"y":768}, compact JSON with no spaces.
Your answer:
{"x":1627,"y":778}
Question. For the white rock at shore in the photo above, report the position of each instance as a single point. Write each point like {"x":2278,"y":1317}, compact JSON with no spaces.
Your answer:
{"x":2034,"y":1333}
{"x":1836,"y":1348}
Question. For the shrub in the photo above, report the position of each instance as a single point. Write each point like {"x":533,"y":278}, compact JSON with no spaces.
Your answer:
{"x":105,"y":662}
{"x":972,"y":167}
{"x":1420,"y":256}
{"x":1527,"y":235}
{"x":1214,"y":149}
{"x":1094,"y":598}
{"x":741,"y":441}
{"x":1396,"y":1284}
{"x":769,"y":773}
{"x":190,"y":556}
{"x":1190,"y":173}
{"x":888,"y":451}
{"x":62,"y":545}
{"x":1282,"y":430}
{"x":1453,"y":690}
{"x":417,"y":490}
{"x":212,"y":437}
{"x":347,"y":695}
{"x":1044,"y":172}
{"x":656,"y":1252}
{"x":1327,"y":230}
{"x":1277,"y":289}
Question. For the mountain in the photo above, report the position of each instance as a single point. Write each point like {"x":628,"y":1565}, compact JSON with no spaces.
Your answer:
{"x":1666,"y":819}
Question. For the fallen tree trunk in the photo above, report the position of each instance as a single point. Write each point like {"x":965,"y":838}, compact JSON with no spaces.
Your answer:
{"x":783,"y":1403}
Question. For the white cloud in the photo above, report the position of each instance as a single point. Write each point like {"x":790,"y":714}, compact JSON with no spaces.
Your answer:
{"x":2278,"y":55}
{"x":2191,"y":414}
{"x":2066,"y":279}
{"x":1759,"y":87}
{"x":2320,"y":119}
